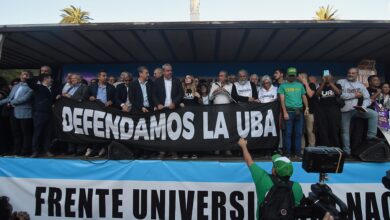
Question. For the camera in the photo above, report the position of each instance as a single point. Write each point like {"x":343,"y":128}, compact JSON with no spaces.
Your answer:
{"x":321,"y":199}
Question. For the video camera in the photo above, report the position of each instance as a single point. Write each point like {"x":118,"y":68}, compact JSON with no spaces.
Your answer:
{"x":321,"y":199}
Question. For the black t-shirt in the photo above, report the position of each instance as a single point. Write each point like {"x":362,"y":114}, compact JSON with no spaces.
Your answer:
{"x":328,"y":96}
{"x":371,"y":91}
{"x":189,"y":98}
{"x":313,"y":101}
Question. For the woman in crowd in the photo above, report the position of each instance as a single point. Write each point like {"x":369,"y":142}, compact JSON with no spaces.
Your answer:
{"x":204,"y":94}
{"x":329,"y":114}
{"x":384,"y":97}
{"x":267,"y":92}
{"x":191,"y":98}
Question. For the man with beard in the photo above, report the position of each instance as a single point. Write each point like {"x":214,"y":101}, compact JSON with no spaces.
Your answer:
{"x":244,"y":90}
{"x":352,"y":91}
{"x":278,"y":78}
{"x":373,"y":89}
{"x":292,"y":94}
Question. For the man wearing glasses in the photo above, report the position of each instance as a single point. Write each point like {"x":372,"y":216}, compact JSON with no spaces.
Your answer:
{"x":357,"y":99}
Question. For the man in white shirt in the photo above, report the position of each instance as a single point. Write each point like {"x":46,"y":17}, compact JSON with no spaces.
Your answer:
{"x":167,"y":93}
{"x":220,"y":92}
{"x":244,"y":90}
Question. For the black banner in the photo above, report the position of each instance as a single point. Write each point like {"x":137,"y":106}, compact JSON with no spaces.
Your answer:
{"x":194,"y":128}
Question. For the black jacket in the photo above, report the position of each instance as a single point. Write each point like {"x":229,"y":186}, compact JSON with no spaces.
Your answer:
{"x":81,"y":93}
{"x":238,"y":98}
{"x":121,"y":93}
{"x":137,"y":98}
{"x":110,"y":90}
{"x":43,"y":97}
{"x":159,"y":95}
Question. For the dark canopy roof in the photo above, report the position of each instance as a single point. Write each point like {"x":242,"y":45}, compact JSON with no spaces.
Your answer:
{"x":28,"y":46}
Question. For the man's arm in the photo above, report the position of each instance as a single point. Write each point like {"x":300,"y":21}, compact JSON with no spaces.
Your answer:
{"x":90,"y":93}
{"x":211,"y":94}
{"x":306,"y":104}
{"x":366,"y":97}
{"x":32,"y":83}
{"x":23,"y":98}
{"x":247,"y":156}
{"x":319,"y":90}
{"x":335,"y":89}
{"x":344,"y":95}
{"x":309,"y":91}
{"x":284,"y":109}
{"x":179,"y":93}
{"x":375,"y":96}
{"x":4,"y":101}
{"x":237,"y":97}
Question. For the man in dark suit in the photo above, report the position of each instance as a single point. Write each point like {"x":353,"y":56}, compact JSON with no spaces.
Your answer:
{"x":42,"y":111}
{"x":105,"y":93}
{"x":102,"y":91}
{"x":123,"y":92}
{"x":19,"y":100}
{"x":167,"y":93}
{"x":77,"y":91}
{"x":141,"y":92}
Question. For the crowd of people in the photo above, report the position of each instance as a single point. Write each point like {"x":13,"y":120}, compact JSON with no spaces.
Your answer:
{"x":312,"y":114}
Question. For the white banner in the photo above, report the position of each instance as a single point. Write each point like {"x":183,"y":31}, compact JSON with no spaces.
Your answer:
{"x":164,"y":190}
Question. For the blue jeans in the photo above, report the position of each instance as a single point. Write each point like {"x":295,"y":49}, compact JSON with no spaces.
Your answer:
{"x":295,"y":122}
{"x":346,"y":117}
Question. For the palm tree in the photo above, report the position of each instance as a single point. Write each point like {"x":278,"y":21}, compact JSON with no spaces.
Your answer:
{"x":73,"y":15}
{"x":325,"y":14}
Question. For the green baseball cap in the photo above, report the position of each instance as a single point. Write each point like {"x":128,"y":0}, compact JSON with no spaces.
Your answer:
{"x":282,"y":165}
{"x":292,"y":71}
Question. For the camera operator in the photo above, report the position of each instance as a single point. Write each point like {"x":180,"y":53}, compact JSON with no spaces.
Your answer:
{"x":269,"y":187}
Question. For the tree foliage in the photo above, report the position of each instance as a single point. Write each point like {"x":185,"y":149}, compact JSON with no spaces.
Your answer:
{"x":73,"y":15}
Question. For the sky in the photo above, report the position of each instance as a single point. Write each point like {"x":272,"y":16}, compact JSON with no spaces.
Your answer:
{"x":48,"y":12}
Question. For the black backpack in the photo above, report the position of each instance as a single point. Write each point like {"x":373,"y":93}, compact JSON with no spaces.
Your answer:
{"x":279,"y":202}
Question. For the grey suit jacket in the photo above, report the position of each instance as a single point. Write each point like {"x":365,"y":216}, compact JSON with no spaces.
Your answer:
{"x":23,"y":103}
{"x":81,"y":93}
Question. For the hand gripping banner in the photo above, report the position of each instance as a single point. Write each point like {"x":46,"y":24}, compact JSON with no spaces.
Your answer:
{"x":194,"y":128}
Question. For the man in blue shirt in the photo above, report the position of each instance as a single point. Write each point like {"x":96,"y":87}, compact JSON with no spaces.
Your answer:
{"x":104,"y":93}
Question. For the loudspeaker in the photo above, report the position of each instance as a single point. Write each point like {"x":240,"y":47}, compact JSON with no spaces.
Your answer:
{"x":372,"y":150}
{"x":118,"y":151}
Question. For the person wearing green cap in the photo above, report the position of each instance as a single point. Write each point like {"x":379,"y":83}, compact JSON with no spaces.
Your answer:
{"x":292,"y":97}
{"x":282,"y":170}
